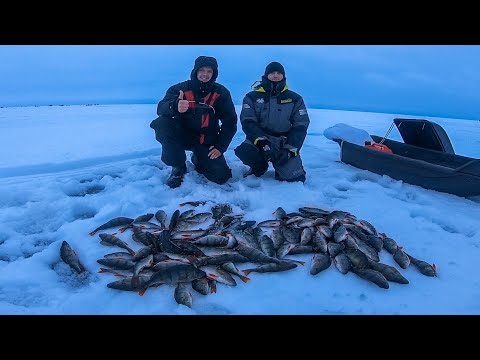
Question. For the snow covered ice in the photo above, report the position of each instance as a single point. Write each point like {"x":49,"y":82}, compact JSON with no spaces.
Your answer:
{"x":64,"y":170}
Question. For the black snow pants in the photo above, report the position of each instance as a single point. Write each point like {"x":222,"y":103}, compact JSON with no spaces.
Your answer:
{"x":251,"y":156}
{"x":176,"y":139}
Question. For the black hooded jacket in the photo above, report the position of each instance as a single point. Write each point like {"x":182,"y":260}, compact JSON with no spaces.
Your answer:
{"x":210,"y":103}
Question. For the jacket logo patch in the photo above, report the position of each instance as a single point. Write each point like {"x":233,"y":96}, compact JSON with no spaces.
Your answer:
{"x":246,"y":106}
{"x":285,"y":101}
{"x":302,"y":111}
{"x":260,"y":100}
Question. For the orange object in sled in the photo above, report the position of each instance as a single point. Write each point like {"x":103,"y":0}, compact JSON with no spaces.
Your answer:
{"x":379,"y":147}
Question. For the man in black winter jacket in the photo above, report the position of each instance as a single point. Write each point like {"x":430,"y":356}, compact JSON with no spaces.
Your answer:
{"x":189,"y":118}
{"x":275,"y":122}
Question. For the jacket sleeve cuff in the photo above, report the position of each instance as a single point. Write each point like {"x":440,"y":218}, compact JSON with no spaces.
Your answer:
{"x":220,"y":148}
{"x":291,"y":148}
{"x":258,"y":139}
{"x":174,"y":107}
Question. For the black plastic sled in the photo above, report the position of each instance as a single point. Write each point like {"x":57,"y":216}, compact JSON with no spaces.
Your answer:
{"x":426,"y":158}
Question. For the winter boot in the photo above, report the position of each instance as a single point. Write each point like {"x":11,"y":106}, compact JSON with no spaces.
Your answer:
{"x":176,"y":177}
{"x":256,"y":171}
{"x":301,"y":178}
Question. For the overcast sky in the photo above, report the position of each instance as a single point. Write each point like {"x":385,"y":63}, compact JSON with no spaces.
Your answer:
{"x":429,"y":80}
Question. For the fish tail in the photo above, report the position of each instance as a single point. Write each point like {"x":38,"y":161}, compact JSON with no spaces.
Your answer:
{"x":295,"y":261}
{"x":135,"y":281}
{"x":247,"y":271}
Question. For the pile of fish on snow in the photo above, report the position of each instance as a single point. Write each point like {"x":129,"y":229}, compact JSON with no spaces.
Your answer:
{"x":181,"y":253}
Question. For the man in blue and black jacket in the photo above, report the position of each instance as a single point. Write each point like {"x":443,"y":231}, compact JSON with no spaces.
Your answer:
{"x":275,"y":122}
{"x":189,"y":118}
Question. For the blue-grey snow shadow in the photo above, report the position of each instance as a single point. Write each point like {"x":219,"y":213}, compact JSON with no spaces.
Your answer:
{"x":72,"y":165}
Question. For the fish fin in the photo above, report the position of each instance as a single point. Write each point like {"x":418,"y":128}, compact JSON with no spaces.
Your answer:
{"x":91,"y":233}
{"x":245,"y":279}
{"x":191,"y":259}
{"x":123,"y":229}
{"x":434,"y":266}
{"x":247,"y":271}
{"x":103,"y":270}
{"x":142,"y":292}
{"x":212,"y":276}
{"x":106,"y":243}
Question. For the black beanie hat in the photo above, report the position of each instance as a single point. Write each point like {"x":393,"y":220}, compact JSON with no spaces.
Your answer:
{"x":202,"y":61}
{"x":274,"y":66}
